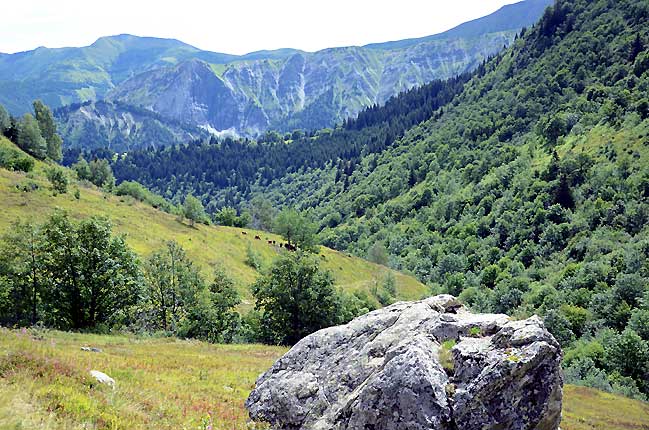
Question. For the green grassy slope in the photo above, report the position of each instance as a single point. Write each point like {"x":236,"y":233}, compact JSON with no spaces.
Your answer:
{"x":147,"y":230}
{"x":173,"y":384}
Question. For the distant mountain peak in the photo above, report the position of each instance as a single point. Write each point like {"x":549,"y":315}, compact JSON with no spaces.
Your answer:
{"x":283,"y":89}
{"x":509,"y":17}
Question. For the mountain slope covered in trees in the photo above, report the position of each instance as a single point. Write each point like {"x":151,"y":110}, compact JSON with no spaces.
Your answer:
{"x":527,"y":192}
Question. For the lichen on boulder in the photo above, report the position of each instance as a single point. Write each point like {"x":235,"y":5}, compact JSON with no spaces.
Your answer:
{"x":383,"y":371}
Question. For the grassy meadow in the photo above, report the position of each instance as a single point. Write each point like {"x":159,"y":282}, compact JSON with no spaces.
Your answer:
{"x":147,"y":229}
{"x":176,"y":384}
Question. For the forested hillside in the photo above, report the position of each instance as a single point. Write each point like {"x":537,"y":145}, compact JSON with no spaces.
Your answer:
{"x":526,"y":193}
{"x":79,"y":257}
{"x":223,"y":172}
{"x":529,"y":194}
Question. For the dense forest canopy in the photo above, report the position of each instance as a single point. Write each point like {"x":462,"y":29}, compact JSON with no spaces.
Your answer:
{"x":223,"y":172}
{"x":524,"y":190}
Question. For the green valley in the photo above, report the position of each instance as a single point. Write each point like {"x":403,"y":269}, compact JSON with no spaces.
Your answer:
{"x":446,"y":232}
{"x":525,"y":191}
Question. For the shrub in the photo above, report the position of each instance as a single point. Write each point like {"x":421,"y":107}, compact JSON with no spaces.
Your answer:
{"x":140,"y":193}
{"x":58,"y":179}
{"x":253,"y":259}
{"x":13,"y":159}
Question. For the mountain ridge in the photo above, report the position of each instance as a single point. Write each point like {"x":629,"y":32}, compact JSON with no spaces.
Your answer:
{"x":526,"y":13}
{"x":281,"y":89}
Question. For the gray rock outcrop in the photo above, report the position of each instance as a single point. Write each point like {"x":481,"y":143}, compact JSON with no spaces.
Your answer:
{"x":394,"y":369}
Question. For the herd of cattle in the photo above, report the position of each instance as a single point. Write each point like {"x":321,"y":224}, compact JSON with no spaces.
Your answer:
{"x":286,"y":246}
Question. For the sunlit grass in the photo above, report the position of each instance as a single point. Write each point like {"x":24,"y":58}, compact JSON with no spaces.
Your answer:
{"x":588,"y":409}
{"x":147,"y":230}
{"x":175,"y":384}
{"x":160,"y":383}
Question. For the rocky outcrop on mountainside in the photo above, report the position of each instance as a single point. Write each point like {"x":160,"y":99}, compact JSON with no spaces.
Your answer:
{"x":306,"y":90}
{"x":394,"y":369}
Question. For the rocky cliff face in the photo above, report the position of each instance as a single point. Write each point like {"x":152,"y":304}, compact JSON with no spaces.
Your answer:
{"x":392,"y":370}
{"x":120,"y":127}
{"x":305,"y":90}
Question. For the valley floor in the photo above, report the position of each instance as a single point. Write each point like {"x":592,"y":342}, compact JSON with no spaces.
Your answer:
{"x":175,"y":384}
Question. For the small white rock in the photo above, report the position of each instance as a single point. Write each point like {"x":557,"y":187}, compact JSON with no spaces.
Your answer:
{"x":102,"y":378}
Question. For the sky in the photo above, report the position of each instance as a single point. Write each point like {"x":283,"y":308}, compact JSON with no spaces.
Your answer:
{"x":233,"y":26}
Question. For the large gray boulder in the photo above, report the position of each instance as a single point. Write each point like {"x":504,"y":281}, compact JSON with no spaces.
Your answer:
{"x":392,"y":370}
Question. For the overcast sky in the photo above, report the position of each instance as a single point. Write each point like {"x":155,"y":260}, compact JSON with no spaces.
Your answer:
{"x":233,"y":26}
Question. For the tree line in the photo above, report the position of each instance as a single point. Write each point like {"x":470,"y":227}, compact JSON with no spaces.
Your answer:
{"x":33,"y":133}
{"x":223,"y":172}
{"x":79,"y":275}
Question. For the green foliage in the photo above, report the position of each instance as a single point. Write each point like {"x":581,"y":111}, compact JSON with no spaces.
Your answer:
{"x":228,"y":216}
{"x":173,"y":286}
{"x":101,"y":174}
{"x":355,"y":304}
{"x":211,"y":313}
{"x":475,"y":332}
{"x":29,"y":137}
{"x":627,"y":354}
{"x":82,"y":169}
{"x":253,"y":259}
{"x":295,"y":298}
{"x":68,"y":275}
{"x":58,"y":179}
{"x":193,"y":209}
{"x":262,"y":213}
{"x":385,"y":292}
{"x":446,"y":357}
{"x":297,"y":229}
{"x":135,"y":190}
{"x":5,"y":120}
{"x":378,"y":254}
{"x":22,"y":275}
{"x":47,"y":127}
{"x":639,"y":323}
{"x":390,"y":285}
{"x":14,"y":159}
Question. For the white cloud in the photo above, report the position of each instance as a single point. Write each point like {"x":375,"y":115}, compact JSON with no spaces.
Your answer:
{"x":234,"y":26}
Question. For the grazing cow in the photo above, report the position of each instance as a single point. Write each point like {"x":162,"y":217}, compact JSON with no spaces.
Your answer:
{"x":244,"y":233}
{"x":274,"y":243}
{"x":257,"y":238}
{"x":270,"y":242}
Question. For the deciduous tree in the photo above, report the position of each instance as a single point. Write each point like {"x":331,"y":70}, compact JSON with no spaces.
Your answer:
{"x":47,"y":126}
{"x":295,"y":298}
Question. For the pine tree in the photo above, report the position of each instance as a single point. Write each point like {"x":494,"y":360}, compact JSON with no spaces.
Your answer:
{"x":636,"y":48}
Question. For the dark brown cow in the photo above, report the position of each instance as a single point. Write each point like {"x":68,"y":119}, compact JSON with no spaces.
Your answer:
{"x":257,"y":238}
